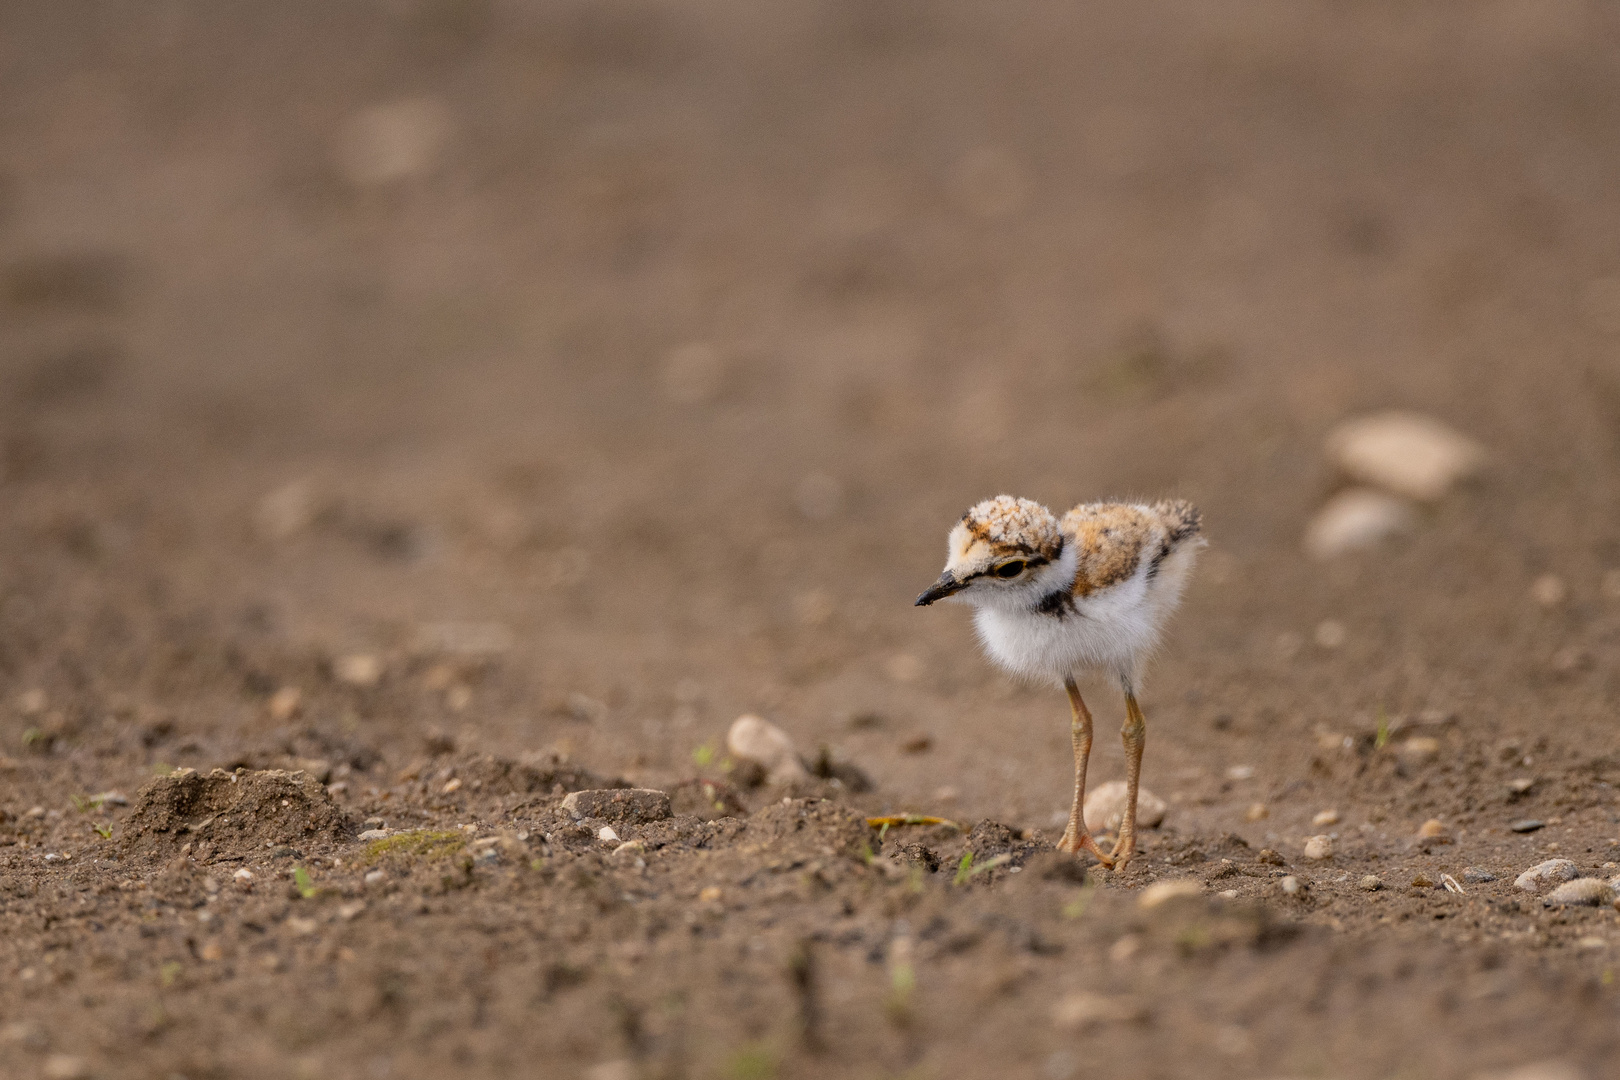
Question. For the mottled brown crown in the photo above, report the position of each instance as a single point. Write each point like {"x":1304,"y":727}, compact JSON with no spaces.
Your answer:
{"x":1011,"y":526}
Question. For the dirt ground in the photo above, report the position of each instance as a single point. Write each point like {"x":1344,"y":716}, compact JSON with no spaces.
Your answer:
{"x":419,"y":410}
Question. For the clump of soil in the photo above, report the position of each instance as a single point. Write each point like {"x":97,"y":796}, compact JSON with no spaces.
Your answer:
{"x":228,"y":812}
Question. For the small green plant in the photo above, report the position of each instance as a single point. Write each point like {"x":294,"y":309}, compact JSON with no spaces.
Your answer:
{"x":417,"y":845}
{"x":1380,"y":739}
{"x":306,"y":887}
{"x":169,"y":972}
{"x":753,"y":1062}
{"x":82,"y":804}
{"x":162,"y":768}
{"x":33,"y":737}
{"x":964,"y":869}
{"x":1082,"y":900}
{"x":104,"y":830}
{"x":703,"y":755}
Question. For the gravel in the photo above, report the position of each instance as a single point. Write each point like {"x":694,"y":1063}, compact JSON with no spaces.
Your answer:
{"x":1544,"y":874}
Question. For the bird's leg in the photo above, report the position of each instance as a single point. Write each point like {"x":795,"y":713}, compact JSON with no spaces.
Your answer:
{"x":1076,"y":838}
{"x":1134,"y":734}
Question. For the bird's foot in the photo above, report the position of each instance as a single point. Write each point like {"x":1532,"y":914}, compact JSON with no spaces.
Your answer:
{"x":1124,"y":851}
{"x":1075,"y":841}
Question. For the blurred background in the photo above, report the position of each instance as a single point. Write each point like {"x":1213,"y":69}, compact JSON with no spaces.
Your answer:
{"x":504,"y":374}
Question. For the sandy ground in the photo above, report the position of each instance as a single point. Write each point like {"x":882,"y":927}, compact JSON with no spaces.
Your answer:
{"x":421,"y":410}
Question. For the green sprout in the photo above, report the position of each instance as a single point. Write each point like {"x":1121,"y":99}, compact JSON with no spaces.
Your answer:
{"x":703,"y":755}
{"x":82,"y":804}
{"x":104,"y":830}
{"x":306,"y":887}
{"x":964,"y":869}
{"x":1383,"y":728}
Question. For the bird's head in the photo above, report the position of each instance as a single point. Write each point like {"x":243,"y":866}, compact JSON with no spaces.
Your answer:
{"x":997,"y":552}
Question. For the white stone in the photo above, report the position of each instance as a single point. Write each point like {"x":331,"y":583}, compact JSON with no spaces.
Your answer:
{"x":1163,"y":892}
{"x":1589,"y":892}
{"x":243,"y":875}
{"x":1546,"y":873}
{"x":1356,"y":519}
{"x":1319,"y":847}
{"x":606,"y":833}
{"x":359,"y":669}
{"x":756,"y":740}
{"x":1105,"y":807}
{"x":1406,"y":453}
{"x":374,"y":834}
{"x":1084,"y":1009}
{"x":1325,"y":818}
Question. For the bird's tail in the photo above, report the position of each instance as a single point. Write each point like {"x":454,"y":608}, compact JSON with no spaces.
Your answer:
{"x":1181,"y":518}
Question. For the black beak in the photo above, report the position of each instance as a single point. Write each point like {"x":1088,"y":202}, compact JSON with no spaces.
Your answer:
{"x":940,"y":589}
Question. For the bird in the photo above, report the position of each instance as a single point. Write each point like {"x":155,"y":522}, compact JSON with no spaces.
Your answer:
{"x":1057,"y":598}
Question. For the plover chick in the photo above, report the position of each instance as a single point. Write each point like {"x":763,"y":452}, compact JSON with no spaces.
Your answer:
{"x":1055,"y":598}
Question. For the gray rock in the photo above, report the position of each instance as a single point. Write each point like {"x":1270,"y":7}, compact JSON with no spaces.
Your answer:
{"x":1544,"y":874}
{"x":1527,"y":825}
{"x":1475,"y":876}
{"x":1372,"y":883}
{"x":631,"y":806}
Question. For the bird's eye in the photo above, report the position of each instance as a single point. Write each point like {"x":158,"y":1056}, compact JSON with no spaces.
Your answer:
{"x":1009,"y":570}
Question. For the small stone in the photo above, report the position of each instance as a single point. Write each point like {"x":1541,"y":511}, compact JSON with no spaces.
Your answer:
{"x":1521,"y":786}
{"x":631,"y":847}
{"x":374,"y":834}
{"x":1371,"y":883}
{"x":1240,"y":772}
{"x":1325,"y":818}
{"x":1527,"y":825}
{"x":1420,"y":880}
{"x":1228,"y":894}
{"x":284,"y":703}
{"x":360,"y":669}
{"x":1549,"y":590}
{"x":66,"y":1067}
{"x":756,"y":740}
{"x":1319,"y":847}
{"x":1355,"y":520}
{"x":1083,"y":1009}
{"x":1330,"y":634}
{"x":351,"y":910}
{"x":1419,"y":750}
{"x":110,"y":798}
{"x":626,"y":806}
{"x":1544,"y":874}
{"x":451,"y":786}
{"x":1591,"y":941}
{"x":1291,"y":885}
{"x":1476,"y":876}
{"x":1256,"y":812}
{"x":1431,"y":829}
{"x":606,"y":833}
{"x":709,"y":895}
{"x":243,"y":875}
{"x":301,"y":926}
{"x":1589,"y":892}
{"x":1105,"y":807}
{"x":1163,"y":892}
{"x":375,"y":877}
{"x":1407,"y":453}
{"x":1269,"y":857}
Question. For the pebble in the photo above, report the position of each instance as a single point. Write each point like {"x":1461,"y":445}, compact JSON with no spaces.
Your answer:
{"x":1521,"y":786}
{"x":1407,"y":453}
{"x":374,"y":877}
{"x":1163,"y":892}
{"x":1355,"y":520}
{"x":1105,"y":807}
{"x":1291,"y":885}
{"x":1325,"y":818}
{"x":628,"y":806}
{"x":1319,"y":847}
{"x":709,"y":895}
{"x":1256,"y":812}
{"x":1545,"y":873}
{"x":66,"y":1067}
{"x":1431,"y":829}
{"x":1084,"y":1009}
{"x":1590,"y":892}
{"x":1549,"y":590}
{"x":1527,"y":825}
{"x":1419,"y":750}
{"x":284,"y":703}
{"x":754,"y":739}
{"x":374,"y":834}
{"x":606,"y":833}
{"x":351,"y":910}
{"x":1476,"y":876}
{"x":1228,"y":894}
{"x":1371,"y":883}
{"x":301,"y":926}
{"x":1330,"y":634}
{"x":360,"y":669}
{"x":243,"y":875}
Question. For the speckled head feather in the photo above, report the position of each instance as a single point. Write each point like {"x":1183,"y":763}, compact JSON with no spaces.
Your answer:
{"x":1009,"y":526}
